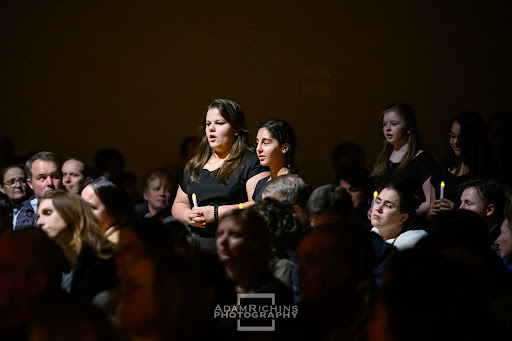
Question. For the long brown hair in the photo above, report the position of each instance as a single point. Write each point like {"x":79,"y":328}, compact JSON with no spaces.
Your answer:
{"x":406,"y":113}
{"x":232,"y":112}
{"x":78,"y":215}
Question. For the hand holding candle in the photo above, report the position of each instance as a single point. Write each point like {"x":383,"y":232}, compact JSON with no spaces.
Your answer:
{"x":442,"y":190}
{"x":194,"y":199}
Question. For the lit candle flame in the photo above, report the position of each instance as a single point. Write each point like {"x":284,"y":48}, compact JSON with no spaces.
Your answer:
{"x":240,"y":206}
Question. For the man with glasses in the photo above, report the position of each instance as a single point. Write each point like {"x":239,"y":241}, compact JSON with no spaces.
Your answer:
{"x":43,"y":176}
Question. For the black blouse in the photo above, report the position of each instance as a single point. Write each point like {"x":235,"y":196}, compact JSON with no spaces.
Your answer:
{"x":417,"y":171}
{"x":452,"y":184}
{"x":209,"y":191}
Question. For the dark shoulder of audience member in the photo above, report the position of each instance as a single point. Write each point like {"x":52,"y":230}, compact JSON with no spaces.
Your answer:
{"x":32,"y":266}
{"x":158,"y":237}
{"x":464,"y":232}
{"x":69,"y":319}
{"x":44,"y":255}
{"x":340,"y":256}
{"x":6,"y":212}
{"x":432,"y":292}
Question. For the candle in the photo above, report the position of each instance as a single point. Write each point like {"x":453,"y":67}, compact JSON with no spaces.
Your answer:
{"x":240,"y":206}
{"x":442,"y":190}
{"x":194,"y":199}
{"x":375,"y":194}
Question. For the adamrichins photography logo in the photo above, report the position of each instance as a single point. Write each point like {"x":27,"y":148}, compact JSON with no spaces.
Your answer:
{"x":256,"y":312}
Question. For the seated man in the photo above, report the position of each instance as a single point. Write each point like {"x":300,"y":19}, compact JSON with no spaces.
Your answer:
{"x":293,"y":189}
{"x":487,"y":199}
{"x":43,"y":176}
{"x":329,"y":203}
{"x":74,"y":174}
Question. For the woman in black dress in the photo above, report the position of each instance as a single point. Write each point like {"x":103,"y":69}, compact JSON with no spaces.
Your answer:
{"x":276,"y":143}
{"x":469,"y":158}
{"x":401,"y":160}
{"x":222,"y":174}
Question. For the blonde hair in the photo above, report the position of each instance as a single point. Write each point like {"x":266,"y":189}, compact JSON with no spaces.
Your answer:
{"x":406,"y":113}
{"x":78,"y":215}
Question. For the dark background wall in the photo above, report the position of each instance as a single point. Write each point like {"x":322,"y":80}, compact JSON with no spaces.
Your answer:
{"x":137,"y":76}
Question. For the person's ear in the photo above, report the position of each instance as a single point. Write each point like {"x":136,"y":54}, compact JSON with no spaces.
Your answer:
{"x":285,"y":148}
{"x":145,"y":196}
{"x":489,"y":210}
{"x":29,"y":182}
{"x":403,"y":218}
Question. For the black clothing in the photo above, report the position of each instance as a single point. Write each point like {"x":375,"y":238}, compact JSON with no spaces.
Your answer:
{"x":419,"y":169}
{"x":383,"y":252}
{"x":210,"y":192}
{"x":92,"y":275}
{"x":451,"y":182}
{"x":259,"y":188}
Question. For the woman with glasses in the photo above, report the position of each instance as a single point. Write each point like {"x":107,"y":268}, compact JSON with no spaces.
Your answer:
{"x":468,"y":158}
{"x":14,"y":185}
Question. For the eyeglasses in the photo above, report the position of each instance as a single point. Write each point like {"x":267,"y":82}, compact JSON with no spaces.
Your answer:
{"x":11,"y":183}
{"x":452,"y":137}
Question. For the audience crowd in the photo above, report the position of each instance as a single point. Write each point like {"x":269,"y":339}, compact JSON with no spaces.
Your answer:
{"x":417,"y":248}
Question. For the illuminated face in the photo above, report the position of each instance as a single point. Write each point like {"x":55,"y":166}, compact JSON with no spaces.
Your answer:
{"x":45,"y":177}
{"x":356,"y":194}
{"x":504,"y":241}
{"x":454,"y":137}
{"x":471,"y":201}
{"x":386,"y":214}
{"x":221,"y":135}
{"x":72,"y":176}
{"x":98,"y":208}
{"x":49,"y":220}
{"x":394,"y":128}
{"x":158,"y":194}
{"x":15,"y":184}
{"x":231,"y":240}
{"x":270,"y":152}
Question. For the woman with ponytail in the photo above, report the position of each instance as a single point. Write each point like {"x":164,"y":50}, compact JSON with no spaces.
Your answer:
{"x":276,"y":143}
